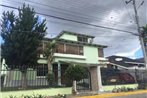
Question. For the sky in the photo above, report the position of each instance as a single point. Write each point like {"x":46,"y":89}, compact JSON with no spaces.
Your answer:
{"x":111,"y":13}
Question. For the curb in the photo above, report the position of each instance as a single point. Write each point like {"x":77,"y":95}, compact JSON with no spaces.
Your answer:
{"x":108,"y":95}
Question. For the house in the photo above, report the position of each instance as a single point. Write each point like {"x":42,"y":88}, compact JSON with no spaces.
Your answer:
{"x":124,"y":62}
{"x":74,"y":48}
{"x":71,"y":48}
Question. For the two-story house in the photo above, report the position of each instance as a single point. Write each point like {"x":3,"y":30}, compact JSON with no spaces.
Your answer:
{"x":71,"y":48}
{"x":74,"y":48}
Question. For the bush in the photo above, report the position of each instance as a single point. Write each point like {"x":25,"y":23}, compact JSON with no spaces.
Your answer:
{"x":50,"y":78}
{"x":68,"y":82}
{"x":76,"y":72}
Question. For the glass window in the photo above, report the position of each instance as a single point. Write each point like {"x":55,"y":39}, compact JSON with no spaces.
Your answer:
{"x":100,"y":52}
{"x":82,"y":39}
{"x":42,"y":70}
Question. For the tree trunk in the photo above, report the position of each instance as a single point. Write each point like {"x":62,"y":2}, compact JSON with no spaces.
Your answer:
{"x":49,"y":67}
{"x":24,"y":79}
{"x":74,"y":88}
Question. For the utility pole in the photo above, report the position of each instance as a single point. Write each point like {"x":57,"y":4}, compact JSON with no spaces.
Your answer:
{"x":139,"y":31}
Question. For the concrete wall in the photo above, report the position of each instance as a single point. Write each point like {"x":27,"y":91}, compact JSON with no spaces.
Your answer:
{"x":91,"y":54}
{"x":46,"y":92}
{"x":111,"y":87}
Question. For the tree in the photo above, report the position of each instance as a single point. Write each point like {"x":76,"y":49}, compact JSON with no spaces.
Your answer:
{"x":75,"y":73}
{"x":144,"y":34}
{"x":144,"y":31}
{"x":22,"y":35}
{"x":49,"y":53}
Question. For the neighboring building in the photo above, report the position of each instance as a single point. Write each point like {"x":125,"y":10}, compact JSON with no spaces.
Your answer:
{"x":124,"y":63}
{"x":125,"y":70}
{"x":73,"y":48}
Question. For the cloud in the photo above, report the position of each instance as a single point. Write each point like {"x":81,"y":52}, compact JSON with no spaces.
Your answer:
{"x":110,"y":13}
{"x":131,"y":54}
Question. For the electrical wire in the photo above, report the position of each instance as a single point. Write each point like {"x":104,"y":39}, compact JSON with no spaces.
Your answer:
{"x":78,"y":14}
{"x":75,"y":21}
{"x":123,"y":1}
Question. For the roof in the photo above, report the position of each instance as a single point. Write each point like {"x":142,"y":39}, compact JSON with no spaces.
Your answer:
{"x":124,"y":61}
{"x":74,"y":33}
{"x":74,"y":42}
{"x":141,"y":60}
{"x":81,"y":43}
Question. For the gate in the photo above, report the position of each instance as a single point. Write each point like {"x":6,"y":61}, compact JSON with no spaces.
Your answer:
{"x":84,"y":84}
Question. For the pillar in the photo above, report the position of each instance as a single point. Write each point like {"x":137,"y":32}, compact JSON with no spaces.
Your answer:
{"x":96,"y":81}
{"x":59,"y":73}
{"x":94,"y":78}
{"x":100,"y":87}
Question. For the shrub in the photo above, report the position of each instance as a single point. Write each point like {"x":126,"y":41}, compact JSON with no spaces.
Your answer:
{"x":76,"y":72}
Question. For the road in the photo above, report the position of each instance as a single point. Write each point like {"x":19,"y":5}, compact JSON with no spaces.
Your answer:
{"x":134,"y":96}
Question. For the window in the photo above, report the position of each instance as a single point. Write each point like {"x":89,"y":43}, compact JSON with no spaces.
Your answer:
{"x":69,"y":49}
{"x":80,"y":50}
{"x":100,"y":52}
{"x":60,"y":48}
{"x":82,"y":39}
{"x":42,"y":70}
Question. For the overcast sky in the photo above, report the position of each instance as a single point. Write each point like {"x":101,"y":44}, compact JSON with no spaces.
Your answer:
{"x":108,"y":13}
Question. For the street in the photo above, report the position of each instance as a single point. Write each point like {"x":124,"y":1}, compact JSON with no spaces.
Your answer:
{"x":133,"y":96}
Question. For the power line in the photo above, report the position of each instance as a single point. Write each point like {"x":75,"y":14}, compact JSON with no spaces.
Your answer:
{"x":77,"y":14}
{"x":127,"y":10}
{"x":79,"y":26}
{"x":75,"y":21}
{"x":57,"y":34}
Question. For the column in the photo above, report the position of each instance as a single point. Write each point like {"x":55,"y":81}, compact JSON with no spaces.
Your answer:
{"x":100,"y":87}
{"x":59,"y":73}
{"x":94,"y":78}
{"x":96,"y":81}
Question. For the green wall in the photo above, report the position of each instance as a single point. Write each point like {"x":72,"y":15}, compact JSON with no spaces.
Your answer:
{"x":111,"y":87}
{"x":91,"y":54}
{"x":49,"y":92}
{"x":69,"y":37}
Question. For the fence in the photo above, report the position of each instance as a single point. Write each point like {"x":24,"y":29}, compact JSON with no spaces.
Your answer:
{"x":36,"y":79}
{"x":123,"y":76}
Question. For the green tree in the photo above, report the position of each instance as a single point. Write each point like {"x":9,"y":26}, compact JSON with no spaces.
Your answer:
{"x":144,"y":34}
{"x":75,"y":73}
{"x":49,"y":53}
{"x":22,"y":35}
{"x":144,"y":31}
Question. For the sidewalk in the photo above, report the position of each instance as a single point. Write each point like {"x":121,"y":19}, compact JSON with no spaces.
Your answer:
{"x":109,"y":95}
